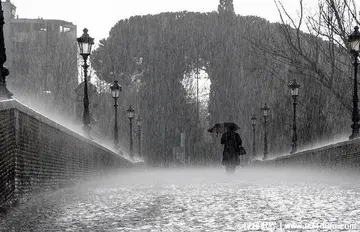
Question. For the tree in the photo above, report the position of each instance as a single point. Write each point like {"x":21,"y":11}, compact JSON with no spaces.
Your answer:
{"x":316,"y":45}
{"x":242,"y":77}
{"x":226,"y":7}
{"x":314,"y":49}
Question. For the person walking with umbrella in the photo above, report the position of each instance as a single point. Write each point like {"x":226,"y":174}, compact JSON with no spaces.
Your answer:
{"x":232,"y":144}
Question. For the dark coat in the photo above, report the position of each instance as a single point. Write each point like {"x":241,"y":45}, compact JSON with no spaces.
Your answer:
{"x":231,"y":141}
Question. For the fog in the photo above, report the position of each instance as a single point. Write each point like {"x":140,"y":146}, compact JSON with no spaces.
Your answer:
{"x":195,"y":176}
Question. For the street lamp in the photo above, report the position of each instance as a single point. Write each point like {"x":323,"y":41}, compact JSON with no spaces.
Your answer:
{"x":139,"y":124}
{"x":115,"y":92}
{"x":354,"y":40}
{"x":85,"y":43}
{"x":131,"y":114}
{"x":253,"y":123}
{"x":4,"y":92}
{"x":294,"y":87}
{"x":266,"y":114}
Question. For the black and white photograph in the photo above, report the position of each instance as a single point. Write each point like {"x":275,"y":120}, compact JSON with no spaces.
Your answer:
{"x":179,"y":115}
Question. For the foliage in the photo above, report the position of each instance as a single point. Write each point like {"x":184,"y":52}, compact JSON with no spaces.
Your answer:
{"x":151,"y":55}
{"x":226,"y":7}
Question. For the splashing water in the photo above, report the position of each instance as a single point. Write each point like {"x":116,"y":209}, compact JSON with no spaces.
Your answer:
{"x":196,"y":200}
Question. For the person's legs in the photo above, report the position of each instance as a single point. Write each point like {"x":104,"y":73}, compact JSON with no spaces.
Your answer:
{"x":237,"y":158}
{"x":225,"y":159}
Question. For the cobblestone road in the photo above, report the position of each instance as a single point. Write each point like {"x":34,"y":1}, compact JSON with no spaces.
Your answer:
{"x":197,"y":200}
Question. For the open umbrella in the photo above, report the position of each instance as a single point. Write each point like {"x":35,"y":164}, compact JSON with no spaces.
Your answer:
{"x":223,"y":127}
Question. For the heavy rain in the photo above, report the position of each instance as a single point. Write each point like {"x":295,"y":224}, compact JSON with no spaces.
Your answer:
{"x":209,"y":116}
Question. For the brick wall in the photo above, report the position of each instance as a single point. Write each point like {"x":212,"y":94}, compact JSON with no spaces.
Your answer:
{"x":7,"y":157}
{"x":342,"y":155}
{"x":36,"y":153}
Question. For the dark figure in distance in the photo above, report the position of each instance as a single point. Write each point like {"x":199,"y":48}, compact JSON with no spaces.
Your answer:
{"x":232,"y":143}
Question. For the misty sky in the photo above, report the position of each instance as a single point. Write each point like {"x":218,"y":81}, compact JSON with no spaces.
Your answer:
{"x":100,"y":15}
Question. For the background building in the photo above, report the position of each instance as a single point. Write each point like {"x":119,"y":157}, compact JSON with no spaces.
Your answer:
{"x":42,"y":58}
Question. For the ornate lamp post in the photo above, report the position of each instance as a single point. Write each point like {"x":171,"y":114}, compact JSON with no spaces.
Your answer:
{"x":115,"y":92}
{"x":266,"y":113}
{"x":85,"y":43}
{"x":139,"y":124}
{"x":4,"y":92}
{"x":131,"y":114}
{"x":253,"y":123}
{"x":294,"y":87}
{"x":354,"y":40}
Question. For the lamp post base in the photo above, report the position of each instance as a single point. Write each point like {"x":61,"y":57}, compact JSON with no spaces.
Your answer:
{"x":87,"y":130}
{"x":355,"y":131}
{"x":354,"y":136}
{"x":5,"y":94}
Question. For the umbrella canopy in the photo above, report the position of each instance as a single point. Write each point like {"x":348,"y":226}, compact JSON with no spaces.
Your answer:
{"x":223,"y":127}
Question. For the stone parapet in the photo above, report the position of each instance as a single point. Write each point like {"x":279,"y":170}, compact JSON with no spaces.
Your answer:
{"x":38,"y":153}
{"x":342,"y":155}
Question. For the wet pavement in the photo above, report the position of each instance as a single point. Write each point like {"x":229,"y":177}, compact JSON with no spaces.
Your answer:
{"x":197,"y":200}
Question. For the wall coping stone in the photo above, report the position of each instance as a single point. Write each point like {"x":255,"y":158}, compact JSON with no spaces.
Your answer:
{"x":316,"y":150}
{"x":14,"y":104}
